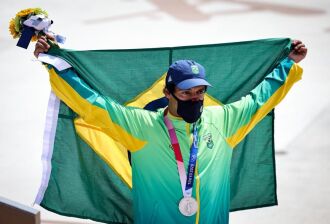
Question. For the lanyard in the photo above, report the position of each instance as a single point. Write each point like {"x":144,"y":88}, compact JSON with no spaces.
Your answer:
{"x":187,"y":181}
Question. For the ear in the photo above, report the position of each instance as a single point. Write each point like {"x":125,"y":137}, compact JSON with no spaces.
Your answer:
{"x":166,"y":93}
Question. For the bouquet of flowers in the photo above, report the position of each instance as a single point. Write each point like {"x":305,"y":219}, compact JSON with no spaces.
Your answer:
{"x":28,"y":24}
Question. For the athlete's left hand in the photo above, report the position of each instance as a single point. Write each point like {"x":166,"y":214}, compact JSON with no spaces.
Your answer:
{"x":298,"y":51}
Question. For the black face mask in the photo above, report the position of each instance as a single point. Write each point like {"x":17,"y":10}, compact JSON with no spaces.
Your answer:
{"x":189,"y":110}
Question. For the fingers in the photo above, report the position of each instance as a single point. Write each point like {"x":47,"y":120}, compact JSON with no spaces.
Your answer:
{"x":37,"y":51}
{"x":296,"y":42}
{"x":302,"y":50}
{"x":298,"y":47}
{"x":41,"y":46}
{"x":295,"y":45}
{"x":50,"y":36}
{"x":42,"y":42}
{"x":298,"y":51}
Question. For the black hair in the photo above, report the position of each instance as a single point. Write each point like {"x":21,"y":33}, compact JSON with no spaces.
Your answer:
{"x":170,"y":87}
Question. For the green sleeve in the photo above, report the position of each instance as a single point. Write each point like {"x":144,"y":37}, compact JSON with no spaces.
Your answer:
{"x":240,"y":117}
{"x":129,"y":126}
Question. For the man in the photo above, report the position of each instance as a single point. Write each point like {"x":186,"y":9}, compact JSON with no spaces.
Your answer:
{"x":176,"y":178}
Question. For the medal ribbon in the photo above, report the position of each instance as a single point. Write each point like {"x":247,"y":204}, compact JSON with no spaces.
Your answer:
{"x":187,"y":181}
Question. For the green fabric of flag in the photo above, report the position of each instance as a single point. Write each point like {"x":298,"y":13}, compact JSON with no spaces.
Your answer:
{"x":81,"y":183}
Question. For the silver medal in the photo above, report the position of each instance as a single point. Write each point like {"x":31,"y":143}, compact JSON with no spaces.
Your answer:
{"x":188,"y":206}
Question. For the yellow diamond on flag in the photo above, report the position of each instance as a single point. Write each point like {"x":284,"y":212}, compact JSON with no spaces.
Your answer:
{"x":155,"y":92}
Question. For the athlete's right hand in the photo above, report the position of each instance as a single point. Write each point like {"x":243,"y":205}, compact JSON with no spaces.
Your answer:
{"x":42,"y":46}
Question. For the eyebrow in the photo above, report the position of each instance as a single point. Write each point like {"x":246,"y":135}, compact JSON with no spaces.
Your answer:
{"x":201,"y":88}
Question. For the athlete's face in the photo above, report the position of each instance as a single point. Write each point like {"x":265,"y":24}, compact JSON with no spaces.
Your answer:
{"x":194,"y":94}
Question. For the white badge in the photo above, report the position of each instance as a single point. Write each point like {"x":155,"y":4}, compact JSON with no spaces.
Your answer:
{"x":188,"y":206}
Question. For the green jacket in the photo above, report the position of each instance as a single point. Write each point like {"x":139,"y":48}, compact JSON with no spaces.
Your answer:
{"x":156,"y":185}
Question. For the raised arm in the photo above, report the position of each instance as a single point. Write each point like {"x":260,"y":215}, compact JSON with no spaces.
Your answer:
{"x":242,"y":116}
{"x":129,"y":126}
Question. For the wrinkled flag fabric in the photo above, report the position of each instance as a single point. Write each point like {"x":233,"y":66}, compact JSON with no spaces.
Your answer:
{"x":82,"y":179}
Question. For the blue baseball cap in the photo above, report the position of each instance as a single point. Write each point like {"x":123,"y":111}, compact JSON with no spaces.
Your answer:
{"x":186,"y":74}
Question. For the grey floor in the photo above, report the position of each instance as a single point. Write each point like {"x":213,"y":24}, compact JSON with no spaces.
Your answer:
{"x":302,"y":120}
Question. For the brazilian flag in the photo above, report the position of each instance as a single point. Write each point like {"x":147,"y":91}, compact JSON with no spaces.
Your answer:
{"x":82,"y":180}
